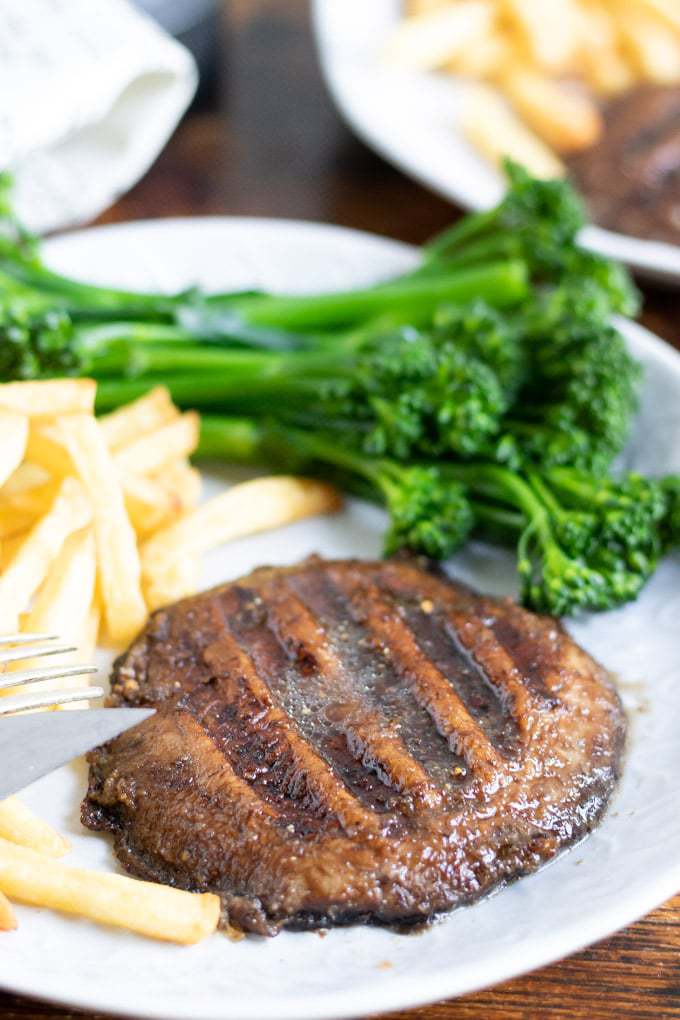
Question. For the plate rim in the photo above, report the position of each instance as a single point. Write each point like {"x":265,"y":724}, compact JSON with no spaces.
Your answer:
{"x":405,"y":991}
{"x":655,"y":260}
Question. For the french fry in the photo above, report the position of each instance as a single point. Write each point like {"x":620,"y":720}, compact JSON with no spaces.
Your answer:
{"x":20,"y":512}
{"x":567,"y":120}
{"x":146,"y":414}
{"x":48,"y":398}
{"x":486,"y":59}
{"x":156,"y":501}
{"x":64,"y":599}
{"x":667,"y":11}
{"x":600,"y":59}
{"x":154,"y":910}
{"x":548,"y":31}
{"x":27,"y":476}
{"x":652,"y":47}
{"x":493,"y":128}
{"x":10,"y":547}
{"x":47,"y":449}
{"x":19,"y":825}
{"x":27,"y":569}
{"x":154,"y":450}
{"x":13,"y":437}
{"x":416,"y":7}
{"x":436,"y":37}
{"x":177,"y":581}
{"x":244,"y":509}
{"x":63,"y":605}
{"x":149,"y":505}
{"x":183,"y":482}
{"x":8,"y":920}
{"x":117,"y":556}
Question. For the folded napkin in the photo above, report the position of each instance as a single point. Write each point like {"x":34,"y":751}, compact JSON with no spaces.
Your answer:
{"x":90,"y":91}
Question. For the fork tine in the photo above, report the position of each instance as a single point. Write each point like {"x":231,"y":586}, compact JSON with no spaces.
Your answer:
{"x":32,"y":676}
{"x":25,"y":639}
{"x":43,"y":699}
{"x":17,"y":654}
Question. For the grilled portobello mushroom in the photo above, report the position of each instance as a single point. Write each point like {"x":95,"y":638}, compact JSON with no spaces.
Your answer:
{"x":352,"y":742}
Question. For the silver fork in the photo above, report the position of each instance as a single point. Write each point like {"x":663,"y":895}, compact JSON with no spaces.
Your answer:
{"x":17,"y":647}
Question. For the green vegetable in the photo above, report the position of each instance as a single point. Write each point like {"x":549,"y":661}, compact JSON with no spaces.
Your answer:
{"x":429,"y":514}
{"x":583,"y":542}
{"x":487,"y":391}
{"x":403,"y":394}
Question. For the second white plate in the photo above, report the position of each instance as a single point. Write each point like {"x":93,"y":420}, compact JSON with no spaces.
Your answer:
{"x":411,"y":119}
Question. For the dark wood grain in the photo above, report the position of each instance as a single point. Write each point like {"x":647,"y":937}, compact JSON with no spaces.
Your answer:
{"x":274,"y":146}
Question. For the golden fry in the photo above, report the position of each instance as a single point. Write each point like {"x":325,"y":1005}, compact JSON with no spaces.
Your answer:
{"x":652,"y":47}
{"x":433,"y":39}
{"x":27,"y":476}
{"x":667,"y":11}
{"x":414,"y":8}
{"x":486,"y":59}
{"x":63,"y":605}
{"x":547,"y":32}
{"x":156,"y":501}
{"x":117,"y":556}
{"x":146,"y":414}
{"x":600,"y":58}
{"x":154,"y":450}
{"x":49,"y":398}
{"x":154,"y":910}
{"x":13,"y":438}
{"x":20,"y":512}
{"x":177,"y":581}
{"x":47,"y":449}
{"x":19,"y":825}
{"x":26,"y":571}
{"x":496,"y":132}
{"x":8,"y":920}
{"x":244,"y":509}
{"x":567,"y":120}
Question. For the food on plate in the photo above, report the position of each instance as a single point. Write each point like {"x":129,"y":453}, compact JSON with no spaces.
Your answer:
{"x":118,"y":565}
{"x":500,"y":134}
{"x":565,"y":86}
{"x":88,"y":510}
{"x":150,"y":909}
{"x":259,"y":505}
{"x":583,"y":541}
{"x":8,"y":921}
{"x":484,"y":392}
{"x":64,"y":488}
{"x":631,"y":178}
{"x":30,"y":873}
{"x":18,"y":824}
{"x":342,"y":742}
{"x":85,"y":500}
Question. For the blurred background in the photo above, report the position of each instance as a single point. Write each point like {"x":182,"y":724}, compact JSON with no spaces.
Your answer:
{"x":263,"y":138}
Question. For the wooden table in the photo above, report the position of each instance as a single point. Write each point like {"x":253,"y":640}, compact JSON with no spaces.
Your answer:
{"x":271,"y":144}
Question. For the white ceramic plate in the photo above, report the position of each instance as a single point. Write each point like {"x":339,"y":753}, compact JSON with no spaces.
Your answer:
{"x":411,"y":118}
{"x":629,"y":865}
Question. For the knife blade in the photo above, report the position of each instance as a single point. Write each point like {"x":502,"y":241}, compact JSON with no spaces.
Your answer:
{"x":33,"y":745}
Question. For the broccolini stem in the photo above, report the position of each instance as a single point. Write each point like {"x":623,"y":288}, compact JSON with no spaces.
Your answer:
{"x":501,"y":284}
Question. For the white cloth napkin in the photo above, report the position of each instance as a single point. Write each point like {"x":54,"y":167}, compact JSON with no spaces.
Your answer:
{"x":90,"y":91}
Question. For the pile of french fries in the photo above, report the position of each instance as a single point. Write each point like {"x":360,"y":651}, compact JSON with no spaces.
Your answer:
{"x":31,"y":872}
{"x":100,"y":523}
{"x":538,"y":69}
